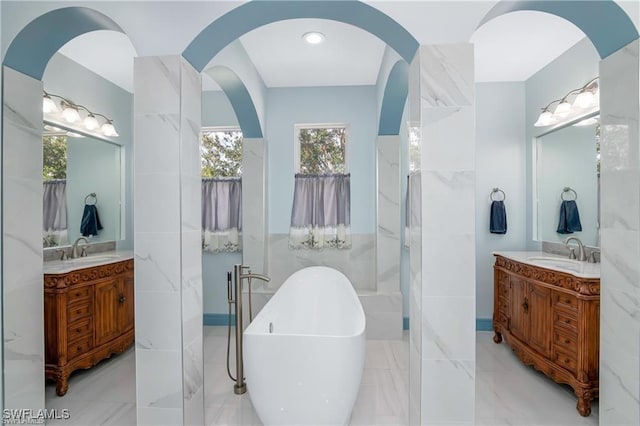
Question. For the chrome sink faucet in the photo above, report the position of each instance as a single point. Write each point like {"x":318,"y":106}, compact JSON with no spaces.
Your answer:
{"x":582,"y":256}
{"x":74,"y":249}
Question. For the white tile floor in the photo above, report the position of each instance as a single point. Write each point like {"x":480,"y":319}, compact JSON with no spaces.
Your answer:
{"x":507,"y":393}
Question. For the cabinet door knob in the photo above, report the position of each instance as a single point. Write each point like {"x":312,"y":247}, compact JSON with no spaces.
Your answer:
{"x":122,"y":299}
{"x":525,"y":305}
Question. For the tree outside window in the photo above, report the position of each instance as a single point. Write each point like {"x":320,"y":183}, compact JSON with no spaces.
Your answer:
{"x":322,"y":149}
{"x":221,"y":153}
{"x":54,"y":155}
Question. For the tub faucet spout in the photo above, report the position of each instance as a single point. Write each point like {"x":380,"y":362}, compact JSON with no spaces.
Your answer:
{"x":255,"y":276}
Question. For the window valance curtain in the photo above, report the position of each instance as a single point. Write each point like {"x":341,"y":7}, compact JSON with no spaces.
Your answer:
{"x":54,"y":213}
{"x":321,"y":213}
{"x":221,"y":214}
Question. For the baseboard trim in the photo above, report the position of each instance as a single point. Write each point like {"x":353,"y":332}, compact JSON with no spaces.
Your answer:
{"x":484,"y":324}
{"x":218,"y":319}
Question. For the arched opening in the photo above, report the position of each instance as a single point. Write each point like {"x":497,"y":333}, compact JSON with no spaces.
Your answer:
{"x":33,"y":64}
{"x":391,"y":88}
{"x":507,"y":110}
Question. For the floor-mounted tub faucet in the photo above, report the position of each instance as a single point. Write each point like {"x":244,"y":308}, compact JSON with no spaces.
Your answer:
{"x":238,"y":276}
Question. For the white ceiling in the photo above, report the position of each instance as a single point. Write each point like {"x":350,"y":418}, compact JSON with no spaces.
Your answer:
{"x":514,"y":47}
{"x":509,"y":48}
{"x":348,"y":56}
{"x":106,"y":53}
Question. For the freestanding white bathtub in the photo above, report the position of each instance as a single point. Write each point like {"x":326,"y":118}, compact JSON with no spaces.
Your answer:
{"x":304,"y":352}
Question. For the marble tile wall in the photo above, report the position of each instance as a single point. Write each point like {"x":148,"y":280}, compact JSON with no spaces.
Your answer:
{"x":388,"y":214}
{"x":254,"y":200}
{"x":415,"y":298}
{"x":448,"y":234}
{"x":620,"y":238}
{"x":357,"y":263}
{"x":388,"y":240}
{"x":23,"y":344}
{"x":167,"y":245}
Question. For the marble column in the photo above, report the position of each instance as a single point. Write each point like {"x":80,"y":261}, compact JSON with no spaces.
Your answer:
{"x":448,"y":234}
{"x":620,"y":238}
{"x":22,"y":285}
{"x":388,"y":243}
{"x":254,"y":204}
{"x":167,"y":242}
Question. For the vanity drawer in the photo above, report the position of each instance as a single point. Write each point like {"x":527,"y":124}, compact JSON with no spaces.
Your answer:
{"x":566,"y":302}
{"x":566,"y":341}
{"x":567,"y":321}
{"x":565,"y":359}
{"x":76,"y":294}
{"x":79,"y":347}
{"x":77,"y":311}
{"x":79,"y":329}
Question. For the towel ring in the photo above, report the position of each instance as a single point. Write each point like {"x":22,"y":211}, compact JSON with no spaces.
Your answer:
{"x":565,"y":191}
{"x":496,"y":190}
{"x":89,"y":197}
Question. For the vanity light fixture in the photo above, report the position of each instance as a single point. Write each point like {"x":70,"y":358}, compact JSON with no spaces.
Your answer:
{"x":585,"y":100}
{"x":313,"y":37}
{"x":48,"y":104}
{"x":71,"y":114}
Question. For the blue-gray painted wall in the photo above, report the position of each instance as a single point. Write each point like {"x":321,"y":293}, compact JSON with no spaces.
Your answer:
{"x":352,"y":105}
{"x":500,"y":162}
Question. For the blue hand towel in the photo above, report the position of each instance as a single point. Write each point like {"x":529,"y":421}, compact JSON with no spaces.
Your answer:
{"x":90,"y":224}
{"x":498,"y":218}
{"x":569,"y":218}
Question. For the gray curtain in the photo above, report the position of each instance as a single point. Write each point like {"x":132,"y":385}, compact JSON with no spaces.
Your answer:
{"x":54,"y":205}
{"x":321,"y":212}
{"x":54,"y":213}
{"x":221,"y":214}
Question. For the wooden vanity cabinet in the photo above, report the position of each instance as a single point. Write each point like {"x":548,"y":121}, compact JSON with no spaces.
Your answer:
{"x":551,"y":320}
{"x":88,"y":315}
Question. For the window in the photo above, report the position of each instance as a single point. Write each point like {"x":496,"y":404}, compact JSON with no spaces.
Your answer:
{"x":221,"y":155}
{"x":221,"y":152}
{"x":320,"y":215}
{"x":321,"y":149}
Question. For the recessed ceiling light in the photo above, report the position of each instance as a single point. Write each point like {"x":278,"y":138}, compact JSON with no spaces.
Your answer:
{"x":313,"y":37}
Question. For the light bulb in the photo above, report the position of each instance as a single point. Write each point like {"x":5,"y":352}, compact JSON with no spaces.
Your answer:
{"x":563,"y":109}
{"x":70,"y":114}
{"x":48,"y":105}
{"x":584,"y":99}
{"x":545,"y":119}
{"x":90,"y":122}
{"x":313,"y":37}
{"x":109,"y":130}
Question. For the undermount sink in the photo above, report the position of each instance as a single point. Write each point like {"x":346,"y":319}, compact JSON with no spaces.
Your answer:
{"x":94,"y":258}
{"x":558,"y":263}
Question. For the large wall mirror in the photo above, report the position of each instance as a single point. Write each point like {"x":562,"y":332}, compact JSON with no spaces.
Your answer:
{"x":82,"y":186}
{"x":567,"y":168}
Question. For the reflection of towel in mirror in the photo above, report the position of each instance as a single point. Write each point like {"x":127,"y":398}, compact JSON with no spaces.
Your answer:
{"x":498,"y":218}
{"x":569,"y":218}
{"x":90,"y":224}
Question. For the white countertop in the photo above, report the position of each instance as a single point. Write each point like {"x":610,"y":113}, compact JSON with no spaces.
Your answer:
{"x":95,"y":259}
{"x":554,"y":262}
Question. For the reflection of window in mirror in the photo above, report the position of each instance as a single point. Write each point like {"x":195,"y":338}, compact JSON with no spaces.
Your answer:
{"x":221,"y":159}
{"x":414,"y":148}
{"x":54,"y":198}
